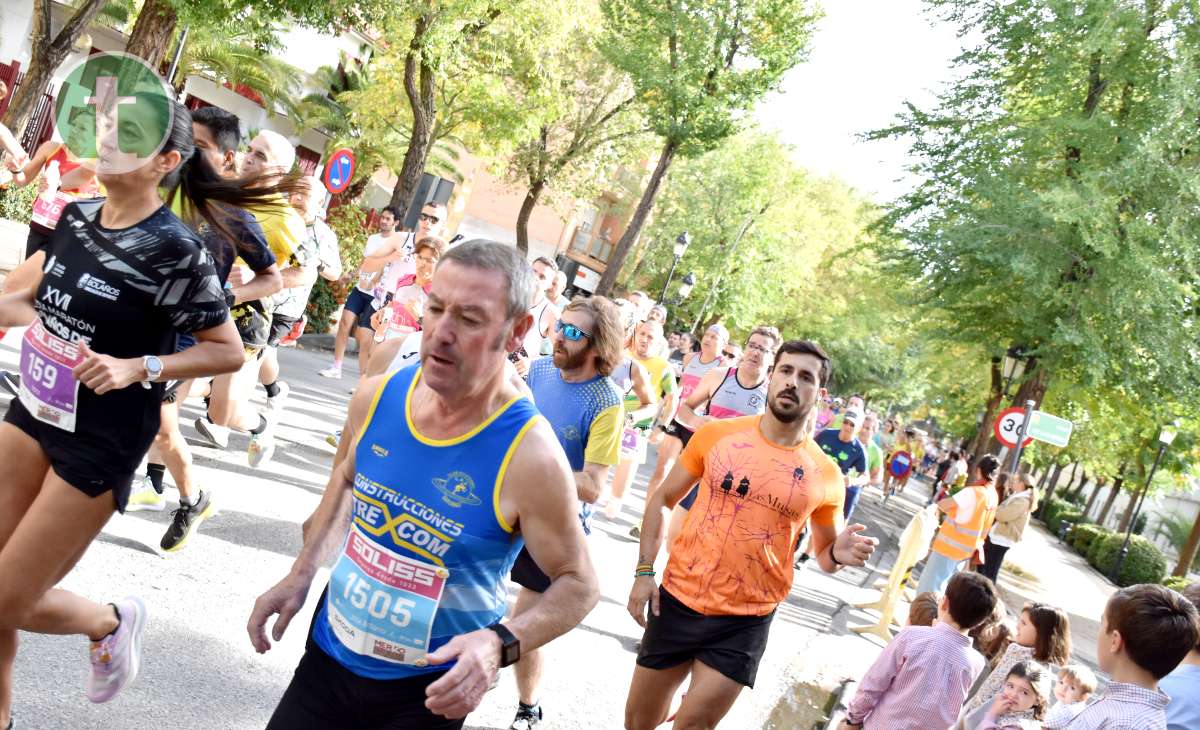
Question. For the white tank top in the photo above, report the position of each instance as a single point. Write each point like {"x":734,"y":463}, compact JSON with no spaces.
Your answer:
{"x":732,"y":400}
{"x":534,"y":341}
{"x":692,"y":372}
{"x":622,"y":375}
{"x":410,"y":352}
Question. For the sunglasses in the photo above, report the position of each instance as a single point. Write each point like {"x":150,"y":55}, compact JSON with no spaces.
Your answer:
{"x":570,"y":331}
{"x":729,"y":354}
{"x":430,"y":218}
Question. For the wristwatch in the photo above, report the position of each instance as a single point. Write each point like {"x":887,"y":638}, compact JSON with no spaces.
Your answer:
{"x":510,"y":645}
{"x":154,"y":368}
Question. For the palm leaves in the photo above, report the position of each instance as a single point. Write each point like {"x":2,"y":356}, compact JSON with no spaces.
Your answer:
{"x":239,"y":58}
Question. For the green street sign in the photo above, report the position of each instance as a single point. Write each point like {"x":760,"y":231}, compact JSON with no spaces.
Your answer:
{"x":1051,"y":429}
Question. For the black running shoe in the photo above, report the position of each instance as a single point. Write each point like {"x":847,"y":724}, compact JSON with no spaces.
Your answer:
{"x":185,"y":521}
{"x":527,"y":717}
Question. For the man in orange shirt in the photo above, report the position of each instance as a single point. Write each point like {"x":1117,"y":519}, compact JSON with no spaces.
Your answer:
{"x":760,"y":479}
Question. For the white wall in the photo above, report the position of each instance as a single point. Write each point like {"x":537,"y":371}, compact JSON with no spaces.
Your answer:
{"x":16,"y":25}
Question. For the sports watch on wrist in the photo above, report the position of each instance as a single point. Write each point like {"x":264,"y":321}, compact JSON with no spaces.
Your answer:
{"x":153,"y":366}
{"x":510,"y":645}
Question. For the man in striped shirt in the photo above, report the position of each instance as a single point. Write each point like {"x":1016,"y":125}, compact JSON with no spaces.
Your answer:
{"x":921,"y":679}
{"x":1145,"y":632}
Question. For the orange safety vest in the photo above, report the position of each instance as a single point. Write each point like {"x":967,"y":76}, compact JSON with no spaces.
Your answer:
{"x":962,"y":535}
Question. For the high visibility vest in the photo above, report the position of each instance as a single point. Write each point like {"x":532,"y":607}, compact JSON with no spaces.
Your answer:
{"x":961,"y":535}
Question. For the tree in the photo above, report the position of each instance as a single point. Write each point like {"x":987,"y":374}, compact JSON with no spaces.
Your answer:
{"x":152,"y":31}
{"x":696,"y":69}
{"x":46,"y":55}
{"x":594,"y":127}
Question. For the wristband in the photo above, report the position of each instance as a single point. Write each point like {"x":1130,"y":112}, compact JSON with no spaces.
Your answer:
{"x":644,"y":574}
{"x":833,"y":555}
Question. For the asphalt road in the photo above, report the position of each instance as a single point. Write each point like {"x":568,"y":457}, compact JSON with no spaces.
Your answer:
{"x":200,"y":672}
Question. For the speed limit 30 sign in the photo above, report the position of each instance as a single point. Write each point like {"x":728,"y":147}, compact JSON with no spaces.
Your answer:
{"x":1008,"y":425}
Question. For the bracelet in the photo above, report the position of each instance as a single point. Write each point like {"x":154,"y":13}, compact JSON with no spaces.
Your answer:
{"x":644,"y":574}
{"x":833,"y":555}
{"x":644,"y":566}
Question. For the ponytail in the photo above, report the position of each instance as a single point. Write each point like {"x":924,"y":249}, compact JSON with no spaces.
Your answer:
{"x":987,"y":466}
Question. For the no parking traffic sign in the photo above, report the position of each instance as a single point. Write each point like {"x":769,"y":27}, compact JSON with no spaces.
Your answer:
{"x":339,"y":170}
{"x":1008,"y":425}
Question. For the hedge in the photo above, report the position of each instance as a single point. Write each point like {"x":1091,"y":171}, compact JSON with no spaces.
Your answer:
{"x":1066,"y":516}
{"x":1052,"y":509}
{"x":1176,"y":583}
{"x":1083,"y":536}
{"x":1093,"y":551}
{"x":1144,"y":564}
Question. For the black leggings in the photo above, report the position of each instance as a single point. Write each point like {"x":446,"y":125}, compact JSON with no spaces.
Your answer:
{"x":993,"y":558}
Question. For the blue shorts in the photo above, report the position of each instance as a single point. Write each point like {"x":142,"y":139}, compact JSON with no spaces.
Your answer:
{"x":690,"y":498}
{"x":358,"y":302}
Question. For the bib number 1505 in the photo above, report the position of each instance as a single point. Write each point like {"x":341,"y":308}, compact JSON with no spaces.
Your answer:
{"x":376,"y":602}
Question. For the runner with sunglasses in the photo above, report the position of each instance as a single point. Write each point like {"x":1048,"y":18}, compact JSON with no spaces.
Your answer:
{"x":394,"y":261}
{"x":117,"y":281}
{"x":572,"y":390}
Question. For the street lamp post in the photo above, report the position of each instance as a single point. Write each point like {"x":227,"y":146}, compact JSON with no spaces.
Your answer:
{"x":1014,"y":367}
{"x":681,"y":247}
{"x":1165,"y":437}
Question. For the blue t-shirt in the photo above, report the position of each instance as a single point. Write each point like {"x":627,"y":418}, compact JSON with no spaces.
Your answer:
{"x":848,"y":455}
{"x":587,"y":417}
{"x":1183,"y":687}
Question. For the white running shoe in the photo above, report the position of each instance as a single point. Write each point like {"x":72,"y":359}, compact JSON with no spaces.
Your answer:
{"x":116,"y":658}
{"x":333,"y":371}
{"x":216,"y":436}
{"x":261,"y":448}
{"x":144,"y":498}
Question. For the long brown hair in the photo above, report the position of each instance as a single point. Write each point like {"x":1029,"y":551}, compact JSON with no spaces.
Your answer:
{"x":607,"y":335}
{"x":1053,"y":643}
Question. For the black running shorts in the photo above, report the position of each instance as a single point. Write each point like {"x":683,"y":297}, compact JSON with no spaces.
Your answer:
{"x":732,"y":645}
{"x":358,"y":302}
{"x":91,"y":467}
{"x":527,"y":574}
{"x":679,"y":431}
{"x":324,"y":695}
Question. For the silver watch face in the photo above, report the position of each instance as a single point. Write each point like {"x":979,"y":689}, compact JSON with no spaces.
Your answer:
{"x":154,"y":366}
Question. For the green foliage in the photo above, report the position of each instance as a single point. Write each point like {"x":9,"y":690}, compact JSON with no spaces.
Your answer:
{"x":1176,"y":583}
{"x":348,"y":222}
{"x":1144,"y":564}
{"x":1084,"y":535}
{"x":1175,"y":528}
{"x":322,"y":303}
{"x":1064,"y":517}
{"x":1052,"y":509}
{"x":16,"y":203}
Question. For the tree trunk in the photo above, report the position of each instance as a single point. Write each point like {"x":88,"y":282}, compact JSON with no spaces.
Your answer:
{"x":1042,"y":481}
{"x":1127,"y":515}
{"x":1078,"y":490}
{"x":1112,"y":497}
{"x":634,"y":229}
{"x":152,"y":31}
{"x":350,"y":194}
{"x":422,"y":100}
{"x":1087,"y":510}
{"x":527,"y":206}
{"x":996,"y":395}
{"x":1058,"y":470}
{"x":46,"y":56}
{"x":1187,"y":555}
{"x":1033,"y":388}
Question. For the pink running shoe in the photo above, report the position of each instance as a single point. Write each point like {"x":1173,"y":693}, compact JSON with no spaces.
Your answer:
{"x":117,"y":657}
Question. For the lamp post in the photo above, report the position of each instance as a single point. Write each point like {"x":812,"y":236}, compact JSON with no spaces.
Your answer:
{"x":1165,"y":437}
{"x":1014,"y":367}
{"x":681,"y":246}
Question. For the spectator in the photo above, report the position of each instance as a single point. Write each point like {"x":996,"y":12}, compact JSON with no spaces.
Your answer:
{"x":1043,"y":634}
{"x":922,"y":677}
{"x":992,"y":637}
{"x":1075,"y":685}
{"x":1009,"y":526}
{"x":1145,"y":631}
{"x":969,"y":517}
{"x":923,"y":611}
{"x":1020,"y":705}
{"x":1183,"y":684}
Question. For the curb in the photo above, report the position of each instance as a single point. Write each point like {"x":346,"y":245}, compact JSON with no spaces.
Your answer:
{"x":324,"y":341}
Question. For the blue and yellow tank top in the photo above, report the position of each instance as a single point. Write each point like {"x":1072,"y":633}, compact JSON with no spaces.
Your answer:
{"x":428,"y":550}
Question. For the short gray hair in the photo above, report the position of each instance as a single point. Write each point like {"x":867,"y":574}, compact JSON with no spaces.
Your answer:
{"x":488,"y":255}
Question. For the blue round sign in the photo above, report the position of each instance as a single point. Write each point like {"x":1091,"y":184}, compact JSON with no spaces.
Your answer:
{"x":339,"y":170}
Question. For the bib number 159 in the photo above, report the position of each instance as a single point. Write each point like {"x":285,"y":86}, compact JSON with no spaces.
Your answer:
{"x":45,"y":374}
{"x":376,"y":602}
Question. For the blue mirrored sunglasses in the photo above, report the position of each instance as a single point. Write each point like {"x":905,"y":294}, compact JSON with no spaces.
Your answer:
{"x":570,"y":331}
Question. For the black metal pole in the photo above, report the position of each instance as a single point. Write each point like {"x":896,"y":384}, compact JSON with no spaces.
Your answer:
{"x":1016,"y":457}
{"x":1116,"y":569}
{"x":670,"y":274}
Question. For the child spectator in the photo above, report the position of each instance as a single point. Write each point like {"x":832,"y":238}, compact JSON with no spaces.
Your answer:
{"x":921,"y":678}
{"x":1183,"y":684}
{"x":1020,"y":705}
{"x":1075,"y":685}
{"x":923,"y":611}
{"x":993,"y":636}
{"x":1145,"y":632}
{"x":1043,"y":634}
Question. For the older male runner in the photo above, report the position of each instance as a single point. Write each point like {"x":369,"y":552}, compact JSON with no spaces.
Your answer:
{"x":761,"y":478}
{"x":452,"y":470}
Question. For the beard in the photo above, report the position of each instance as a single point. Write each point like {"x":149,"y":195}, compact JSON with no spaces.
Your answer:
{"x":564,"y":360}
{"x":788,"y":410}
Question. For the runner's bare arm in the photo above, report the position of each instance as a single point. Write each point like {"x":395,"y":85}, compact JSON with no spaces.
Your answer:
{"x":77,"y":178}
{"x":676,"y":485}
{"x":264,"y":284}
{"x":27,"y":275}
{"x":382,"y":256}
{"x":537,"y":495}
{"x":217,"y":350}
{"x":294,"y":276}
{"x":287,"y":596}
{"x":641,"y":388}
{"x":33,"y":168}
{"x":16,"y":308}
{"x":589,"y":483}
{"x":853,"y":548}
{"x":709,"y":382}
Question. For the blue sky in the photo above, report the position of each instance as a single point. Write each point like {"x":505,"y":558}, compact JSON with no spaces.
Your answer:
{"x":867,"y":57}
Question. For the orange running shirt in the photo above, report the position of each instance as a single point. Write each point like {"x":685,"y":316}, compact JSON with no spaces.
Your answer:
{"x":734,"y":554}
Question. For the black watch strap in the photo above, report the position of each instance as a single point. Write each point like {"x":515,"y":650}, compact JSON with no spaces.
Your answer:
{"x":510,"y":645}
